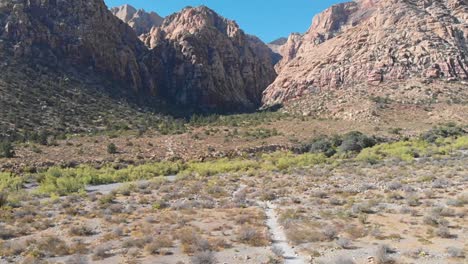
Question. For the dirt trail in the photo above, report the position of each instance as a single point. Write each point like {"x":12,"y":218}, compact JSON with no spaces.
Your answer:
{"x":279,"y":236}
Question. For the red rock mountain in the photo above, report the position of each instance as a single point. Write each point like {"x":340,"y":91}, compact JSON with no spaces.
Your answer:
{"x":203,"y":59}
{"x":140,"y":20}
{"x":195,"y":59}
{"x":374,"y":43}
{"x":74,"y":34}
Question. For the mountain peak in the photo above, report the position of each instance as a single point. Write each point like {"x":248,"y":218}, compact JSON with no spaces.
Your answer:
{"x":140,"y":20}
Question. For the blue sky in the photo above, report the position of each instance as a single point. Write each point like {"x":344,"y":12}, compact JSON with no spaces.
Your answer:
{"x":268,"y":19}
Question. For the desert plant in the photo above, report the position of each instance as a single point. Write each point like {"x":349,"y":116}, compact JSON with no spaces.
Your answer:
{"x":356,"y":141}
{"x":381,"y":255}
{"x":343,"y":243}
{"x":81,"y":230}
{"x":111,"y":148}
{"x":454,"y":252}
{"x":6,"y":149}
{"x":443,"y":232}
{"x":53,"y":246}
{"x":251,"y":236}
{"x":101,"y":252}
{"x":206,"y":257}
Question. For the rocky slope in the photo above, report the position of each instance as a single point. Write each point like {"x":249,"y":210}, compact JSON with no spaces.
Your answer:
{"x":374,"y":43}
{"x":140,"y":20}
{"x":72,"y":35}
{"x":67,"y":66}
{"x":74,"y":66}
{"x":207,"y":61}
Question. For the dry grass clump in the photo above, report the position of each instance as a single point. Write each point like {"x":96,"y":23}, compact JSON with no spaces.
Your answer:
{"x":205,"y":257}
{"x":81,"y":230}
{"x":158,"y":244}
{"x":252,"y":236}
{"x":192,"y":241}
{"x":52,"y":246}
{"x":102,"y":251}
{"x":299,"y":233}
{"x":355,"y":231}
{"x":12,"y":248}
{"x":381,"y":255}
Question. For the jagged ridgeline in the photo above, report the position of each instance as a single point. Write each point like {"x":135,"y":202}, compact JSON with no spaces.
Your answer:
{"x":73,"y":64}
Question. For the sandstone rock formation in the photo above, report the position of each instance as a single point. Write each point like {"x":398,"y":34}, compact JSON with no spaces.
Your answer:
{"x":140,"y":20}
{"x":198,"y":58}
{"x":276,"y":45}
{"x":73,"y":35}
{"x":374,"y":42}
{"x":204,"y":60}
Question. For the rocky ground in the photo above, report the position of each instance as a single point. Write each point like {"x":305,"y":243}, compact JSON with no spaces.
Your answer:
{"x":346,"y":211}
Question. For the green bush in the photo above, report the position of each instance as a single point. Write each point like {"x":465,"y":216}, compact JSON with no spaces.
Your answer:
{"x":6,"y":149}
{"x":10,"y":182}
{"x":443,"y":131}
{"x":356,"y":141}
{"x":111,"y":148}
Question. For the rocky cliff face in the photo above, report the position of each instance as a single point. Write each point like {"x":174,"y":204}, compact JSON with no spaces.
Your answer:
{"x":374,"y":42}
{"x":207,"y":61}
{"x":74,"y":35}
{"x":140,"y":20}
{"x":197,"y":58}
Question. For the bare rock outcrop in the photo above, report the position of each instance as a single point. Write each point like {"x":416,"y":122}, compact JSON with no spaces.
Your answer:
{"x":207,"y":61}
{"x":140,"y":20}
{"x":374,"y":42}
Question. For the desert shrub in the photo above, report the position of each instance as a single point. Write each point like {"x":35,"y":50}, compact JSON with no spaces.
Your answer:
{"x":206,"y":257}
{"x":190,"y":239}
{"x":53,"y":246}
{"x":10,"y":182}
{"x":60,"y":181}
{"x":403,"y":150}
{"x":443,"y":232}
{"x":284,"y":161}
{"x":381,"y":255}
{"x":81,"y":230}
{"x":159,"y":243}
{"x":219,"y":166}
{"x":434,"y":219}
{"x":343,"y":243}
{"x":12,"y":248}
{"x":319,"y":145}
{"x":111,"y":148}
{"x":69,"y":180}
{"x":136,"y":242}
{"x":329,"y":233}
{"x":299,"y":234}
{"x":454,"y":252}
{"x":356,"y":141}
{"x":251,"y":236}
{"x":6,"y":149}
{"x":102,"y":252}
{"x":443,"y":131}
